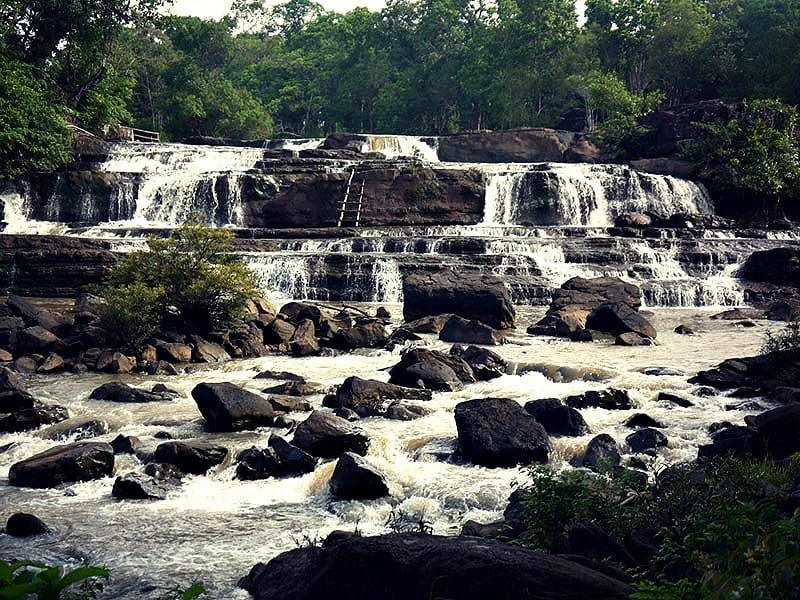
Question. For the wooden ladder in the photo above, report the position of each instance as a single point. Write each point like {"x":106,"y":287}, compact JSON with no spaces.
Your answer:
{"x":350,"y":210}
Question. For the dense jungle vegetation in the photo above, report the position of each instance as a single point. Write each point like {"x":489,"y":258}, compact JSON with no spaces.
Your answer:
{"x":421,"y":67}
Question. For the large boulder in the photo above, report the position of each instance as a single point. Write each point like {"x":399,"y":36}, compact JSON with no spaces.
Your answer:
{"x":779,"y":428}
{"x":433,"y":370}
{"x":13,"y":394}
{"x":33,"y":418}
{"x":616,"y":318}
{"x":577,"y":298}
{"x":25,"y":525}
{"x":192,"y":457}
{"x":779,"y":266}
{"x":602,"y":454}
{"x":228,"y":407}
{"x":369,"y":335}
{"x":64,"y":464}
{"x":498,"y":432}
{"x":485,"y":364}
{"x":207,"y":352}
{"x":465,"y":331}
{"x":355,"y":479}
{"x":328,"y":436}
{"x":304,"y":341}
{"x":557,"y":418}
{"x":483,"y":298}
{"x":368,"y":397}
{"x":279,"y":459}
{"x":407,"y":566}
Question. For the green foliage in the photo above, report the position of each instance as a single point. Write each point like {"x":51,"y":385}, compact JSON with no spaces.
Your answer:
{"x":33,"y":133}
{"x":196,"y":590}
{"x":757,"y":150}
{"x":786,"y":340}
{"x":720,"y":532}
{"x":190,"y":280}
{"x":23,"y":580}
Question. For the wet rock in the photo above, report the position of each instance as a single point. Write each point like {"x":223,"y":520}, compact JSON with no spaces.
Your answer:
{"x":433,"y":370}
{"x":428,"y":324}
{"x":52,"y":364}
{"x":662,"y":372}
{"x":38,"y":340}
{"x":370,"y":335}
{"x":173,"y":352}
{"x":6,"y":356}
{"x":207,"y":352}
{"x":675,"y":399}
{"x":161,"y":367}
{"x":748,"y":406}
{"x":328,"y":436}
{"x":355,"y":479}
{"x":295,"y":312}
{"x":289,"y":403}
{"x":557,"y":418}
{"x":9,"y":330}
{"x":192,"y":457}
{"x":736,"y":441}
{"x":82,"y":461}
{"x":602,"y":454}
{"x":783,"y":311}
{"x":479,"y":297}
{"x":778,"y":266}
{"x":164,"y":391}
{"x":493,"y":531}
{"x":786,"y":394}
{"x":646,"y":439}
{"x":642,"y":420}
{"x":33,"y":418}
{"x":497,"y":432}
{"x":279,"y":332}
{"x":779,"y":428}
{"x":368,"y":397}
{"x":734,"y":314}
{"x":406,"y":566}
{"x":347,"y":414}
{"x":136,"y":486}
{"x":298,"y":387}
{"x":115,"y":362}
{"x":383,"y":313}
{"x":465,"y":331}
{"x":618,"y":319}
{"x":14,"y":395}
{"x":164,"y":472}
{"x":76,"y":428}
{"x":292,"y":461}
{"x":25,"y":525}
{"x":304,"y":342}
{"x":228,"y":407}
{"x":280,"y":375}
{"x":632,"y":339}
{"x":684,"y":329}
{"x":35,"y":316}
{"x":610,"y":399}
{"x":125,"y":444}
{"x":403,"y":411}
{"x":115,"y":391}
{"x":485,"y":364}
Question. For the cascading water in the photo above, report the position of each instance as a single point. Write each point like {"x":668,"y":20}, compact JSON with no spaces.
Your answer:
{"x":401,"y":146}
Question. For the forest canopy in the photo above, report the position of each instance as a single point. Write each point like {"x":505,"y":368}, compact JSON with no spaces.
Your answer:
{"x":417,"y":66}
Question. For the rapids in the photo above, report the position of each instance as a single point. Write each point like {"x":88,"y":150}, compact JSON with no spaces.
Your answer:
{"x":214,"y":528}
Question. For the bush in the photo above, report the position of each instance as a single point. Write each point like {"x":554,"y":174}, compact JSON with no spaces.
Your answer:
{"x":23,"y":580}
{"x":786,"y":340}
{"x":190,"y":281}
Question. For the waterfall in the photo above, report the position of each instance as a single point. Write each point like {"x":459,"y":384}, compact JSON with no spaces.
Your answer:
{"x":401,"y":146}
{"x":584,"y":195}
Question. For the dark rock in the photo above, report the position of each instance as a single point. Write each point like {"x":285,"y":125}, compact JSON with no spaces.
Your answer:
{"x":347,"y":414}
{"x":368,"y":397}
{"x":428,"y":324}
{"x":164,"y":472}
{"x":38,"y":340}
{"x":632,"y":339}
{"x":207,"y":352}
{"x":496,"y":530}
{"x":191,"y":457}
{"x":295,"y":312}
{"x":115,"y":391}
{"x":482,"y":298}
{"x":780,"y":266}
{"x":460,"y":330}
{"x":292,"y":461}
{"x":135,"y":486}
{"x":749,"y":406}
{"x":33,"y":315}
{"x":517,"y":145}
{"x":407,"y":566}
{"x":383,"y":313}
{"x":161,"y":367}
{"x":610,"y":399}
{"x":64,"y":464}
{"x":76,"y":428}
{"x":14,"y":395}
{"x":402,"y":411}
{"x":369,"y":335}
{"x":783,"y":311}
{"x":355,"y":479}
{"x":675,"y":399}
{"x":684,"y":329}
{"x":718,"y":426}
{"x":32,"y":418}
{"x":646,"y":439}
{"x":289,"y":403}
{"x":617,"y":319}
{"x":9,"y":330}
{"x":228,"y":407}
{"x":297,"y":387}
{"x":602,"y":454}
{"x":556,"y":418}
{"x":328,"y":436}
{"x":280,"y":375}
{"x":485,"y":364}
{"x":125,"y":444}
{"x":662,"y":372}
{"x":25,"y":525}
{"x":642,"y":420}
{"x":279,"y":332}
{"x":431,"y":370}
{"x":304,"y":342}
{"x":779,"y":428}
{"x":734,"y":314}
{"x":786,"y":394}
{"x":736,"y":441}
{"x":497,"y":432}
{"x":115,"y":362}
{"x":164,"y":391}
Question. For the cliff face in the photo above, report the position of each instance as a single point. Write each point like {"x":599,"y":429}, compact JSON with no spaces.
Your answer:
{"x":517,"y":145}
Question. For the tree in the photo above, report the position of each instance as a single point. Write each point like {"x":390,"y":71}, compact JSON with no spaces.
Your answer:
{"x":33,"y":133}
{"x":190,"y":280}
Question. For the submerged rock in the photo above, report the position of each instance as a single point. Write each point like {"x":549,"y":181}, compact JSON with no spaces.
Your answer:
{"x":136,"y":486}
{"x":610,"y":399}
{"x":115,"y":391}
{"x":192,"y":457}
{"x":25,"y":525}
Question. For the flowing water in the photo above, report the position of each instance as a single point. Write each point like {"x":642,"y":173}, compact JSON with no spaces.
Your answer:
{"x":542,"y":224}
